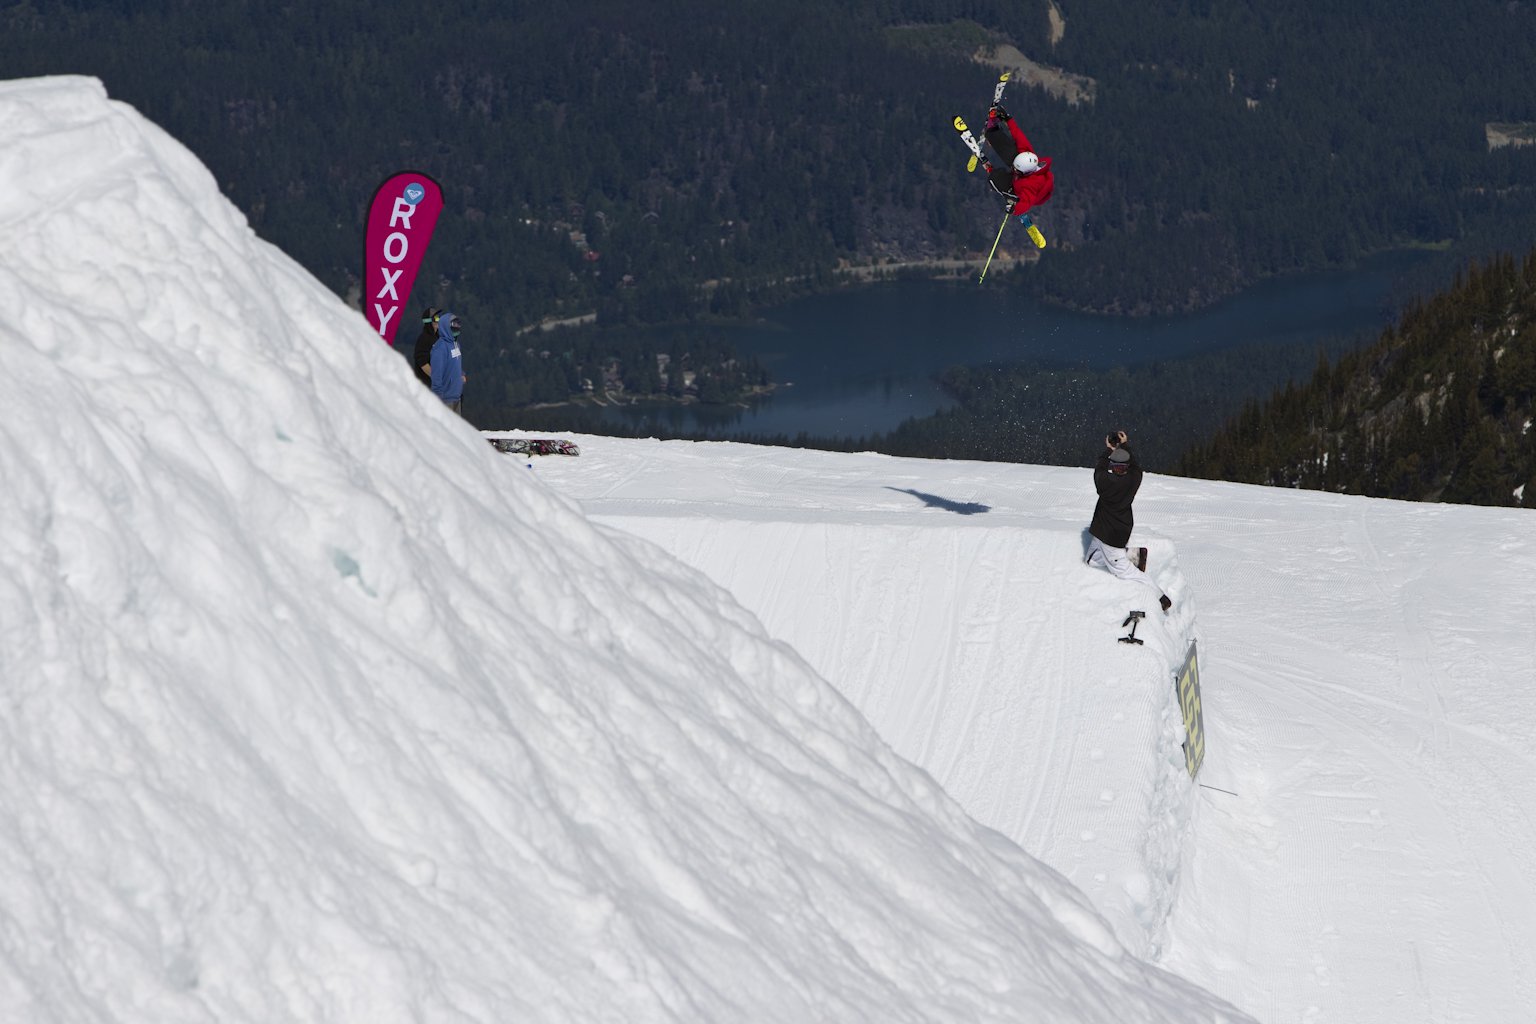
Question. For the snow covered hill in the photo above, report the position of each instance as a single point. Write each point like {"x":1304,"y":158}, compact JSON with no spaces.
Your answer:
{"x":949,"y":601}
{"x":1368,"y":851}
{"x":317,"y":708}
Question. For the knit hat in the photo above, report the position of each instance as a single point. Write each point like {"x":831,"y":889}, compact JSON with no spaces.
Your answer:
{"x":1119,"y":455}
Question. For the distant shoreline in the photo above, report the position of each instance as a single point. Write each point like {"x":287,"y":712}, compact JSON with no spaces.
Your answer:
{"x":944,"y":269}
{"x":612,"y":400}
{"x":937,"y":269}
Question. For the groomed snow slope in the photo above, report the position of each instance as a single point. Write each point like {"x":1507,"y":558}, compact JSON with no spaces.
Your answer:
{"x":1369,"y":684}
{"x":316,"y":708}
{"x":970,"y":633}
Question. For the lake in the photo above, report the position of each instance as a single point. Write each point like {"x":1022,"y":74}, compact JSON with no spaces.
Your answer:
{"x":859,"y":362}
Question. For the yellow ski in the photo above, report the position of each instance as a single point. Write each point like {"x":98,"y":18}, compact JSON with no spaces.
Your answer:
{"x":965,"y":132}
{"x":970,"y":141}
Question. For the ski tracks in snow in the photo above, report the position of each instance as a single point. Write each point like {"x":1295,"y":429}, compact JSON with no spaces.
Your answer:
{"x":1442,"y":745}
{"x":1409,"y":644}
{"x":979,"y":649}
{"x":1366,"y":768}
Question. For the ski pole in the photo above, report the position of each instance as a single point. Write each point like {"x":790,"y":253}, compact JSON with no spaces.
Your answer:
{"x":999,"y":238}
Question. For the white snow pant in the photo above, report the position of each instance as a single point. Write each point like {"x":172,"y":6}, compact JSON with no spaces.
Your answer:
{"x":1118,"y":561}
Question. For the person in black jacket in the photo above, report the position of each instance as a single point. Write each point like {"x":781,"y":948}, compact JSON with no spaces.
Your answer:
{"x":1117,"y":478}
{"x":424,"y":341}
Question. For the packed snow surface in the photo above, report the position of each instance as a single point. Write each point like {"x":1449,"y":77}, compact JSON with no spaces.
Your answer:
{"x":1367,"y":851}
{"x":318,"y":708}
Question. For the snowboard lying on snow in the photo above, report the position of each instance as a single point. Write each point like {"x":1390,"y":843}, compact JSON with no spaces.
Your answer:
{"x":534,"y":446}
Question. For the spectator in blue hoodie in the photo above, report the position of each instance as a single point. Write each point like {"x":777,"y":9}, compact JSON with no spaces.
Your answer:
{"x":447,"y":363}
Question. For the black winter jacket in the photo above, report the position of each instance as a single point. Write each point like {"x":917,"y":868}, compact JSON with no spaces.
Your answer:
{"x":423,"y":353}
{"x":1112,"y":518}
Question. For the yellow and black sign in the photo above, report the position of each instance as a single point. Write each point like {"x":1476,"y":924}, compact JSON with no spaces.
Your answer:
{"x":1188,"y":684}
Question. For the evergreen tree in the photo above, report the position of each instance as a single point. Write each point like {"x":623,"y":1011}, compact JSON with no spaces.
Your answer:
{"x":1440,"y":407}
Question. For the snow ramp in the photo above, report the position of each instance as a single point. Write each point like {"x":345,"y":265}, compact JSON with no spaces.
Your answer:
{"x":950,"y":603}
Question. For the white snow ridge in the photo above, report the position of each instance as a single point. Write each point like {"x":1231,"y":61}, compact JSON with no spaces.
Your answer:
{"x":317,"y":708}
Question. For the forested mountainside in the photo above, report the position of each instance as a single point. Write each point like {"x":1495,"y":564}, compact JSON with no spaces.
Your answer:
{"x":1440,"y":409}
{"x":1055,"y":415}
{"x":656,"y":162}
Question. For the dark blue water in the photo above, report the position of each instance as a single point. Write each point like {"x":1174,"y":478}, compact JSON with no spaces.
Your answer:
{"x":859,"y":362}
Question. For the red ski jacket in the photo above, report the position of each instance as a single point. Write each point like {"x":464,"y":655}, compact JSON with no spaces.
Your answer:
{"x":1032,"y":189}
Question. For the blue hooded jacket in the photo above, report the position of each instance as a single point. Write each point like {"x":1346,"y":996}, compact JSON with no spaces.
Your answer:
{"x":447,"y":362}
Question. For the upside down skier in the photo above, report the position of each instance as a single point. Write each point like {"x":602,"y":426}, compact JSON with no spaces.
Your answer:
{"x":1024,"y":178}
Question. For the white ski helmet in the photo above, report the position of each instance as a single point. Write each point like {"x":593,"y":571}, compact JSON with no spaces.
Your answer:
{"x":1026,"y":163}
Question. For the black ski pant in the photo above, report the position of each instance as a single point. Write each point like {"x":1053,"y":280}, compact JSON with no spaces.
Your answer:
{"x":1001,"y":141}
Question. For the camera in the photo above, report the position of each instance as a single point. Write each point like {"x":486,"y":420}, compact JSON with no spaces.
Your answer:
{"x":1112,"y":439}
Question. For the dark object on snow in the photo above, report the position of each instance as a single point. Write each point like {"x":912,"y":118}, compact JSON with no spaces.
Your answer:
{"x":534,"y":446}
{"x":1133,"y":620}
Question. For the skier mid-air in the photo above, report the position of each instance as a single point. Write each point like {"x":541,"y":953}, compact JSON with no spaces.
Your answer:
{"x":1023,"y":177}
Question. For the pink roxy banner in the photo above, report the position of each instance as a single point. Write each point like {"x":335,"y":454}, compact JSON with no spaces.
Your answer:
{"x":400,"y":222}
